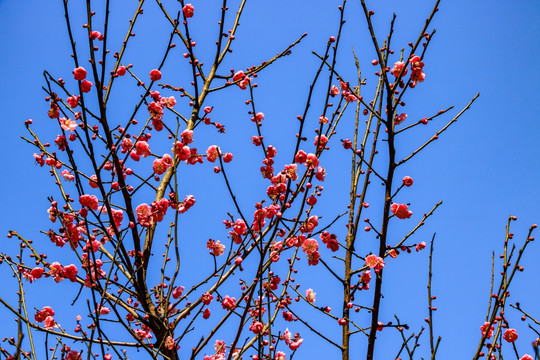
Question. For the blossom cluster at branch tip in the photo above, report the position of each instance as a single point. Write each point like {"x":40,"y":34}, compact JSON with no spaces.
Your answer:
{"x":401,"y":211}
{"x":375,"y":262}
{"x":417,"y":75}
{"x":485,"y":332}
{"x":510,"y":335}
{"x":188,"y":10}
{"x":241,"y":79}
{"x":155,"y":75}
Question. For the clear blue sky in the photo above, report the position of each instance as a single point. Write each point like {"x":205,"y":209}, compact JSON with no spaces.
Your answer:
{"x":484,"y":168}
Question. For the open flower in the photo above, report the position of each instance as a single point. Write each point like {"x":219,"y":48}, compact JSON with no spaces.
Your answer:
{"x":510,"y":335}
{"x":401,"y":211}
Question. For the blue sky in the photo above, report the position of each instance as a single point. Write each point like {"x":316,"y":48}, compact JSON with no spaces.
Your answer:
{"x":484,"y":168}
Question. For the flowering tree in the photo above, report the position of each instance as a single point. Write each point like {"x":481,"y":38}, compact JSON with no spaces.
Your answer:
{"x":126,"y":218}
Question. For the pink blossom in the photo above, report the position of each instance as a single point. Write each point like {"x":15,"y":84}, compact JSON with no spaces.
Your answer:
{"x":416,"y":68}
{"x":167,"y":160}
{"x":206,"y":313}
{"x":526,"y":357}
{"x":40,"y":316}
{"x":420,"y":246}
{"x":89,"y":201}
{"x":96,"y":35}
{"x":330,"y":240}
{"x":400,"y":118}
{"x":127,"y":145}
{"x":37,"y":272}
{"x":407,"y":181}
{"x":320,"y":174}
{"x":401,"y":211}
{"x":349,"y":97}
{"x":159,"y":209}
{"x":169,"y":342}
{"x":185,"y":205}
{"x":206,"y":298}
{"x":334,"y":90}
{"x":86,"y":86}
{"x":53,"y":162}
{"x":143,"y":333}
{"x":219,"y":347}
{"x":310,"y":224}
{"x":240,"y":227}
{"x":121,"y":71}
{"x":188,"y":10}
{"x":510,"y":335}
{"x":366,"y":277}
{"x":322,"y":142}
{"x":79,"y":73}
{"x":194,"y":157}
{"x":143,"y":149}
{"x":156,"y":111}
{"x":61,"y":142}
{"x":187,"y":136}
{"x":228,"y":303}
{"x":296,"y":344}
{"x":484,"y":329}
{"x":56,"y":271}
{"x":133,"y":155}
{"x":103,"y":310}
{"x":54,"y":111}
{"x":168,"y":102}
{"x":144,"y":215}
{"x":218,"y":248}
{"x":73,"y":101}
{"x":288,"y":316}
{"x":300,"y":157}
{"x":39,"y":159}
{"x":239,"y":75}
{"x":177,"y":292}
{"x":93,"y":182}
{"x":374,"y":262}
{"x":244,"y":83}
{"x":74,"y":355}
{"x":67,"y":175}
{"x":258,"y":117}
{"x":67,"y":124}
{"x":256,"y":327}
{"x":398,"y":67}
{"x":70,"y":272}
{"x":241,"y":79}
{"x":155,"y":75}
{"x":290,"y":171}
{"x":287,"y":336}
{"x":257,"y":140}
{"x":311,"y":161}
{"x":49,"y":322}
{"x":212,"y":153}
{"x":280,"y":355}
{"x":310,"y":296}
{"x":310,"y":246}
{"x":181,"y":151}
{"x":159,"y":166}
{"x":313,"y":258}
